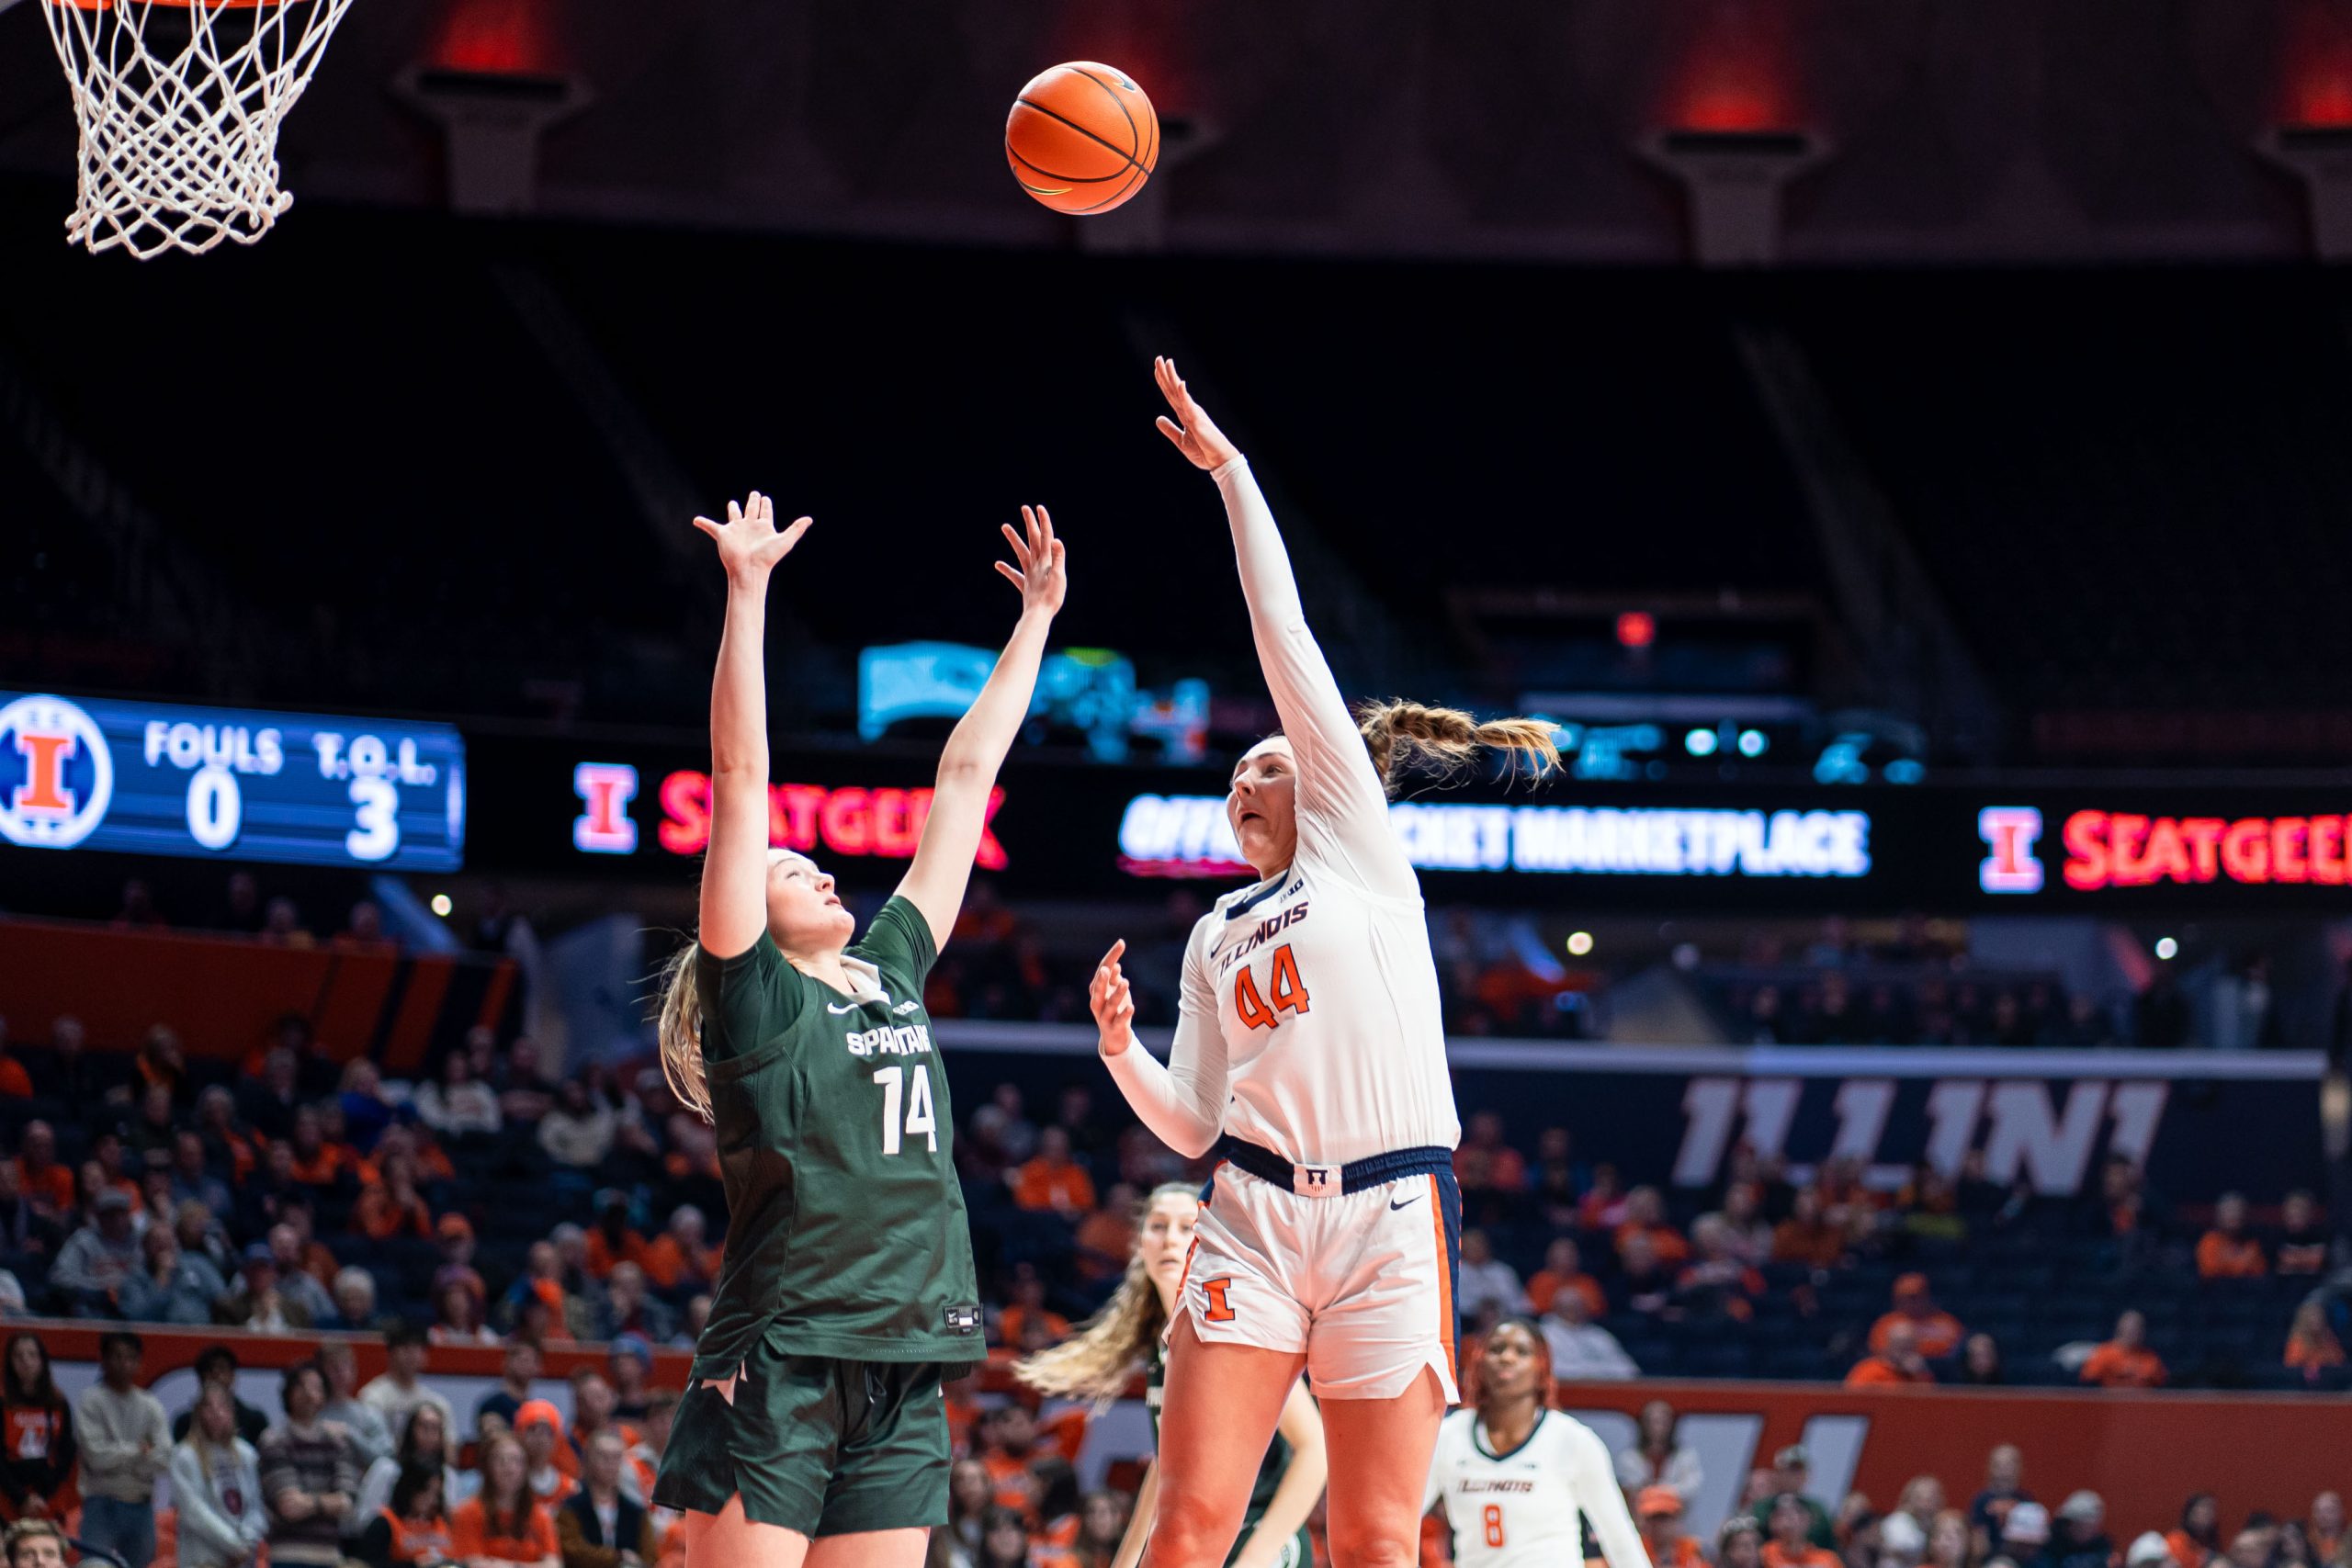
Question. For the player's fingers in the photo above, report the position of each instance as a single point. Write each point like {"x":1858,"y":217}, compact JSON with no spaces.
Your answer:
{"x":1117,"y":948}
{"x":1012,"y":538}
{"x":1173,"y":431}
{"x":1006,"y":569}
{"x":1045,"y":524}
{"x":734,"y":512}
{"x":707,"y":526}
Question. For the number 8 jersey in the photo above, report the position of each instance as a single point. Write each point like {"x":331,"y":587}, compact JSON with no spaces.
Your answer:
{"x":846,"y":1235}
{"x":1521,"y":1509}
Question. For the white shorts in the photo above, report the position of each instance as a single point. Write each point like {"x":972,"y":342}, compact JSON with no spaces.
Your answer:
{"x":1363,"y":1284}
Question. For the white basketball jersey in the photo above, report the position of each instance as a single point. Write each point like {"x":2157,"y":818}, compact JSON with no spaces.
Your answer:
{"x":1309,"y":1019}
{"x":1521,"y":1509}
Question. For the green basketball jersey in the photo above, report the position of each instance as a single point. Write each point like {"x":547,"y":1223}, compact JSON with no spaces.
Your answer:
{"x":845,"y":1229}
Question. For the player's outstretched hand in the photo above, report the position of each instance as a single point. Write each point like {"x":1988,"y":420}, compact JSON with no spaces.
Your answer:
{"x":1113,"y":1003}
{"x":749,"y":543}
{"x":1194,"y":433}
{"x":1043,"y":576}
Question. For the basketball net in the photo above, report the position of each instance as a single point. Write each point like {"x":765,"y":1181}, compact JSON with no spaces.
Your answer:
{"x":179,"y":106}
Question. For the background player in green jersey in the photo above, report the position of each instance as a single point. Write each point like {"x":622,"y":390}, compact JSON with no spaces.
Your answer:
{"x":812,"y":1429}
{"x":1096,"y":1362}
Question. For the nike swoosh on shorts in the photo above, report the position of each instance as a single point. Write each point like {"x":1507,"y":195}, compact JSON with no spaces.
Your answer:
{"x":1407,"y":1204}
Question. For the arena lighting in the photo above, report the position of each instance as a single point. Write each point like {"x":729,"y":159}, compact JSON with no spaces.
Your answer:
{"x":1752,"y":743}
{"x":1699,"y":743}
{"x":2166,"y":948}
{"x":1579,"y":943}
{"x":1637,"y":629}
{"x":442,"y":906}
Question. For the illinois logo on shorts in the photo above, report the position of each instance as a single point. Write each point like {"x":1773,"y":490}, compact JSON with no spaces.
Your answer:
{"x":56,"y":773}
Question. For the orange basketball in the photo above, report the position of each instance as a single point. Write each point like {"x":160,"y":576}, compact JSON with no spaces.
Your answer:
{"x":1081,"y":138}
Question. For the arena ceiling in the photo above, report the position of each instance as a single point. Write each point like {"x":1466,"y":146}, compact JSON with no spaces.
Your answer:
{"x":1939,"y":131}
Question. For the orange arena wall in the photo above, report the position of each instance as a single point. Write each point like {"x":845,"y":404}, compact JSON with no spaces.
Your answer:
{"x":224,"y":994}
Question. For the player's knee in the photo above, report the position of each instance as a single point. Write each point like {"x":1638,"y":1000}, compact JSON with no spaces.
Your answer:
{"x":1190,"y":1529}
{"x":1371,"y":1545}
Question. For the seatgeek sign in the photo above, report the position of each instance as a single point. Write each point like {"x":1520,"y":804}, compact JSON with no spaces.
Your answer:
{"x":853,"y":820}
{"x":1190,"y":836}
{"x":2097,"y":849}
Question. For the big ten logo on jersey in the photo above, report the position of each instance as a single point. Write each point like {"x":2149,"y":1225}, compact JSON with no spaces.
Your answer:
{"x":56,"y":773}
{"x":904,"y":1040}
{"x":2022,"y":1126}
{"x":1731,"y":1444}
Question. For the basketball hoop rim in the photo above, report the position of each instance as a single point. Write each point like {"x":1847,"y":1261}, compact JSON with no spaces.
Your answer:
{"x":164,"y":5}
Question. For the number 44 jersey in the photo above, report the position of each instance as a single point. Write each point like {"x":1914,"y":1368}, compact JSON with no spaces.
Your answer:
{"x":846,"y":1235}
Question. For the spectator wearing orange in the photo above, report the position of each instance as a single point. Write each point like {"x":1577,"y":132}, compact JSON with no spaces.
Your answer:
{"x":2125,"y":1362}
{"x":1646,"y":1216}
{"x":1107,"y":1237}
{"x":393,"y":1207}
{"x":1935,"y":1331}
{"x":1563,"y":1271}
{"x":1658,"y":1509}
{"x":1027,"y":1314}
{"x":319,"y":1160}
{"x":1485,"y":1163}
{"x":2197,"y":1540}
{"x":1892,"y":1361}
{"x":15,"y":1082}
{"x":2312,"y":1345}
{"x":550,"y":1465}
{"x":1789,"y":1545}
{"x":2302,"y":1240}
{"x":612,"y":1240}
{"x":46,"y":1184}
{"x":2226,"y":1252}
{"x":1808,"y":1236}
{"x":1602,"y":1207}
{"x":680,"y":1258}
{"x":505,"y":1524}
{"x":1052,"y":1182}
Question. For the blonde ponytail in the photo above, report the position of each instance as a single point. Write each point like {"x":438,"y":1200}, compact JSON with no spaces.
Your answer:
{"x":680,"y":1030}
{"x":1093,"y":1363}
{"x":1447,"y":740}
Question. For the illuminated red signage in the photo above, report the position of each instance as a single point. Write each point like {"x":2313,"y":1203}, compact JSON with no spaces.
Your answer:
{"x":850,"y":820}
{"x":2118,"y":848}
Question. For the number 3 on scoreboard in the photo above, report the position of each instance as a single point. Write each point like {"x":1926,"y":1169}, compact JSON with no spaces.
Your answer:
{"x":1290,"y":994}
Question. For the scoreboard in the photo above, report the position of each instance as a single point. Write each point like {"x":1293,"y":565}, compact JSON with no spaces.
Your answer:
{"x":157,"y":779}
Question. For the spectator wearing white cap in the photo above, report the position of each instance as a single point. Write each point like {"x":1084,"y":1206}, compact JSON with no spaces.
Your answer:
{"x":2078,"y":1534}
{"x":2150,"y":1549}
{"x":2025,"y":1533}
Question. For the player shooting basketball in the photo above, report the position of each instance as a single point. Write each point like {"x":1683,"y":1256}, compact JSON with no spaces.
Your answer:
{"x":1309,"y":1038}
{"x":812,"y":1427}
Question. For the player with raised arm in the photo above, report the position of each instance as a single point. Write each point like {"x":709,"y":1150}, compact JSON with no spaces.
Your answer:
{"x":1096,"y":1361}
{"x":1512,"y":1476}
{"x":1309,"y":1040}
{"x":812,"y":1427}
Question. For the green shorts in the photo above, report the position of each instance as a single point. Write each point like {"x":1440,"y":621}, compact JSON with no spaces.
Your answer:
{"x":815,"y":1445}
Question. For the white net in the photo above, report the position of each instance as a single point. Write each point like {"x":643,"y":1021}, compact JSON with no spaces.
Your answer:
{"x":179,"y":106}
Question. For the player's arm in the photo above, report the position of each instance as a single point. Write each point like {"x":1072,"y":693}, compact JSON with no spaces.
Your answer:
{"x":1592,"y":1481}
{"x":934,"y":884}
{"x":1301,"y":1487}
{"x":1183,"y":1102}
{"x":1336,"y":781}
{"x":1147,"y":1508}
{"x":735,"y":873}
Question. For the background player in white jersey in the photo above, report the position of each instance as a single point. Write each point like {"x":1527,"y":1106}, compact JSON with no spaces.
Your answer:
{"x":1513,"y":1477}
{"x":1308,"y":1038}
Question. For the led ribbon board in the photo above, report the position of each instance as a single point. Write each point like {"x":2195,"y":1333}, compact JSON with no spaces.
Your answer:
{"x":227,"y":783}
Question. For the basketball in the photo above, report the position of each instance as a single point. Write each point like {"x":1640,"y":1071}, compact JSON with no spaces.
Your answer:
{"x":1081,"y":138}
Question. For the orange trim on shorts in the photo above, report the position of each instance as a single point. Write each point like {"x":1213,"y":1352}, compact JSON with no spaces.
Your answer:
{"x":1444,"y":1282}
{"x":1192,"y":1250}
